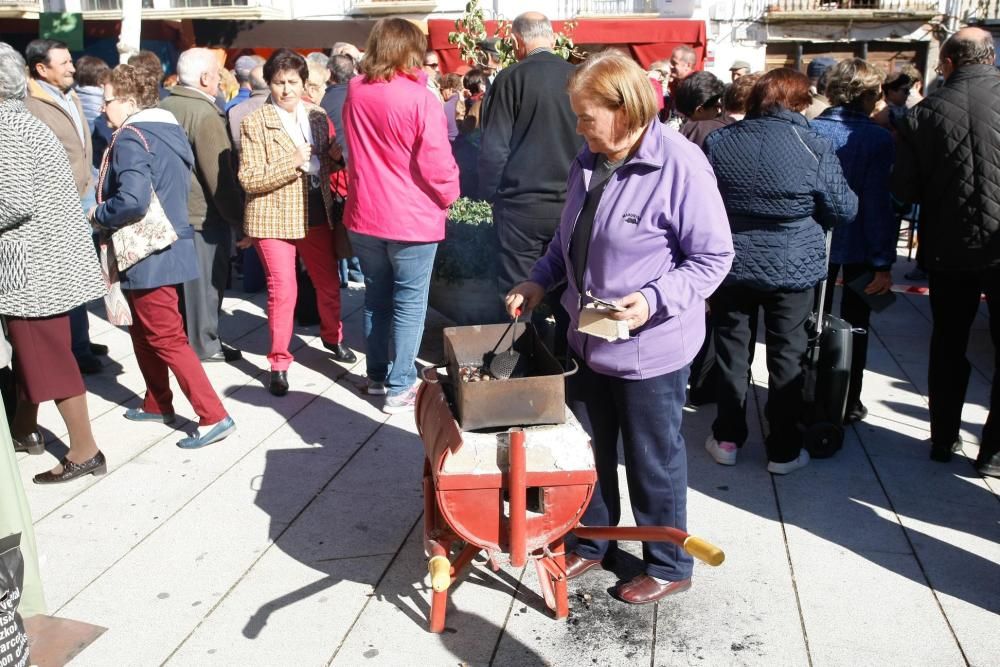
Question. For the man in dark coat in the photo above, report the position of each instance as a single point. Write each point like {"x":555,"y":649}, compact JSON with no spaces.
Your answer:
{"x":947,"y":163}
{"x":529,"y":141}
{"x":214,"y":205}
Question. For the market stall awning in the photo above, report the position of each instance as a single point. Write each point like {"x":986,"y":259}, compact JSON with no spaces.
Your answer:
{"x":647,"y":39}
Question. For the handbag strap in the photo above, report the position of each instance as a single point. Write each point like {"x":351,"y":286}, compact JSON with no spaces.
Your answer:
{"x":106,"y":158}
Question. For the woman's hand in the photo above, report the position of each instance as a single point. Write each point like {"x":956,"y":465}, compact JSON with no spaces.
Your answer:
{"x":336,"y":153}
{"x":880,"y":284}
{"x":244,"y":243}
{"x":636,"y":311}
{"x":524,"y":297}
{"x":301,"y":155}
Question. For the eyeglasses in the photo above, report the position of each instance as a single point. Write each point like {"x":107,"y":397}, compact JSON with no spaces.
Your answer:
{"x":107,"y":101}
{"x":434,"y":65}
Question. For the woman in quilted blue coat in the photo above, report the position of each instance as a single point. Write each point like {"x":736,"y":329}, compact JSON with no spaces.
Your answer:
{"x":783,"y":186}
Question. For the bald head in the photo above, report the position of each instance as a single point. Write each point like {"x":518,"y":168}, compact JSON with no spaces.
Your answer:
{"x":968,"y":46}
{"x":532,"y":30}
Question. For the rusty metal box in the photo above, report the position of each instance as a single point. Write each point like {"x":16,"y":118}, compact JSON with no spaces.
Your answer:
{"x":537,"y":398}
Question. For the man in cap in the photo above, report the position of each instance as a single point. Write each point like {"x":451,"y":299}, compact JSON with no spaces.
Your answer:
{"x":816,"y":71}
{"x":739,"y":68}
{"x":242,"y":68}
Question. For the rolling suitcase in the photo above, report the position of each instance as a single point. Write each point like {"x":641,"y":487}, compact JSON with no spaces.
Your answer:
{"x":827,"y":378}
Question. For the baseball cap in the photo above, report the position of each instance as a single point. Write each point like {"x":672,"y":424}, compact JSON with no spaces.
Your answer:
{"x":739,"y":64}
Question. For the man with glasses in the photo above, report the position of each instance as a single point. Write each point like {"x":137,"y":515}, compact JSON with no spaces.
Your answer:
{"x":947,"y":154}
{"x":53,"y":101}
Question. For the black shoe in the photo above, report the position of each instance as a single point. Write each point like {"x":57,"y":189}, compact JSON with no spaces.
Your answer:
{"x":33,"y":443}
{"x":989,"y":467}
{"x":97,"y":465}
{"x":942,"y":453}
{"x":279,"y":383}
{"x":225,"y":355}
{"x":341,"y":352}
{"x":98,"y":349}
{"x":855,"y":412}
{"x":89,"y":364}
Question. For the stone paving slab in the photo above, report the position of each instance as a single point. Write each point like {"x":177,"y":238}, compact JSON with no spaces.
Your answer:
{"x":298,"y":540}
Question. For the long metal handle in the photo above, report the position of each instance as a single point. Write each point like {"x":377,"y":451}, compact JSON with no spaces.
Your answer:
{"x":696,"y":546}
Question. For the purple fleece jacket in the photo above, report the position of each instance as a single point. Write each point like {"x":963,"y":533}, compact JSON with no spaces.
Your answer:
{"x":660,"y":229}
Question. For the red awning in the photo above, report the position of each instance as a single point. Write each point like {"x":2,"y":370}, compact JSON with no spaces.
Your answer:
{"x":647,"y":39}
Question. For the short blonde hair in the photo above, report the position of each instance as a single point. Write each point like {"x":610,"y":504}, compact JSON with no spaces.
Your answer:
{"x":615,"y":81}
{"x":850,"y":79}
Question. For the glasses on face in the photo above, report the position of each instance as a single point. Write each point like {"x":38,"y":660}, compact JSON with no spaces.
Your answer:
{"x":434,"y":65}
{"x":108,"y":101}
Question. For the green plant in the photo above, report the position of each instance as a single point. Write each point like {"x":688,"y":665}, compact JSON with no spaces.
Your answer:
{"x":470,"y":29}
{"x":468,"y":251}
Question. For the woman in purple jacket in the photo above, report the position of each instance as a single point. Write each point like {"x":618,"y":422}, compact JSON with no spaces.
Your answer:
{"x":644,"y":227}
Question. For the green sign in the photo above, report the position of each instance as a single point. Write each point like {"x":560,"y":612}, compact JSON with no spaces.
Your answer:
{"x":63,"y":26}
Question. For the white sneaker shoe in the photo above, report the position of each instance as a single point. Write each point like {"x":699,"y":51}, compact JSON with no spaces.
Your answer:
{"x":789,"y":466}
{"x":723,"y":452}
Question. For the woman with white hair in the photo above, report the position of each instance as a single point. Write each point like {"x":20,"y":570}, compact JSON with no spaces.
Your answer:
{"x":47,"y":267}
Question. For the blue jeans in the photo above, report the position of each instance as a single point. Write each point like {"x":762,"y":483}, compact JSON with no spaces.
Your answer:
{"x":397,"y":279}
{"x":646,"y":415}
{"x":350,"y":269}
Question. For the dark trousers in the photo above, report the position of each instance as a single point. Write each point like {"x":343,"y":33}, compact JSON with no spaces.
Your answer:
{"x":79,"y":327}
{"x":201,"y":298}
{"x":522,"y":241}
{"x":955,"y":298}
{"x":858,"y":314}
{"x":646,"y":414}
{"x":734,"y":308}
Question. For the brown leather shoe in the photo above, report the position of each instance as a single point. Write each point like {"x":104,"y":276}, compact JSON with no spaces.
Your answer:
{"x":644,"y":589}
{"x":577,"y":565}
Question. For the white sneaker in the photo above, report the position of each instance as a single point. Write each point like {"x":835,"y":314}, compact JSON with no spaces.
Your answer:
{"x":790,"y":466}
{"x":723,"y":452}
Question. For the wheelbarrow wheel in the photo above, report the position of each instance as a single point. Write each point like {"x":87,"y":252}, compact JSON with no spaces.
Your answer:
{"x":823,"y":439}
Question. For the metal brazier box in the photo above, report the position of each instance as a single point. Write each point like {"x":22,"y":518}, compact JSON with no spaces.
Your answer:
{"x":538,"y":397}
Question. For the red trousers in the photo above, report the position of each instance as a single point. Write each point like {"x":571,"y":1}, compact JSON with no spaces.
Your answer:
{"x":160,"y":345}
{"x":278,"y":259}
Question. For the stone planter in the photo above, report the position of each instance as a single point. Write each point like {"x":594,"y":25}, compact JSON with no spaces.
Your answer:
{"x":468,"y":301}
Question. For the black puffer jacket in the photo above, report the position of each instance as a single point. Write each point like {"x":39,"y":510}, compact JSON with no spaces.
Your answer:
{"x":949,"y":162}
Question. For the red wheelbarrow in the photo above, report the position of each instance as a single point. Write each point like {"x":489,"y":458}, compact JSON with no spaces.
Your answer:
{"x":518,"y":491}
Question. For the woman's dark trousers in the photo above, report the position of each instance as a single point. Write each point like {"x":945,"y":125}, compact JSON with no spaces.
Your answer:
{"x":646,"y":414}
{"x":785,"y":314}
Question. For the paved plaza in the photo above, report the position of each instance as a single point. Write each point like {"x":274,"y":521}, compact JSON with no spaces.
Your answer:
{"x":298,"y":541}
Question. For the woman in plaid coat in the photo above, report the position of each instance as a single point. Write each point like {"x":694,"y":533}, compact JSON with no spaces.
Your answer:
{"x":287,"y":156}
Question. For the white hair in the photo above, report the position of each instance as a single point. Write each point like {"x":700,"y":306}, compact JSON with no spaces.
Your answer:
{"x":13,"y":74}
{"x":193,"y":63}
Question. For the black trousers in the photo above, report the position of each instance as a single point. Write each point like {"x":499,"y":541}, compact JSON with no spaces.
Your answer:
{"x":858,"y":314}
{"x":201,"y":298}
{"x":522,"y":241}
{"x":955,"y":298}
{"x":734,"y":308}
{"x":646,"y":415}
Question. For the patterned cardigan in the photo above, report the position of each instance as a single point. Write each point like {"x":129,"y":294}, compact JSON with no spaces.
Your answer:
{"x":277,"y":191}
{"x":47,"y":260}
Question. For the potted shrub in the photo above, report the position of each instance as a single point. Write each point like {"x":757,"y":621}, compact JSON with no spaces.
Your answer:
{"x":464,"y":283}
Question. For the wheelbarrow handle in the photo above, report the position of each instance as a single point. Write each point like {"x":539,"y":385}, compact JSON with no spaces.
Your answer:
{"x":699,"y":548}
{"x":430,"y":373}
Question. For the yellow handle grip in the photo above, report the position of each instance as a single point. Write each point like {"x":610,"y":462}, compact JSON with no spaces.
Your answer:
{"x":704,"y":550}
{"x":440,"y":569}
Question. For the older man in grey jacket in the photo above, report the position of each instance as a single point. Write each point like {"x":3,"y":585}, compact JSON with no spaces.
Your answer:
{"x":214,"y":204}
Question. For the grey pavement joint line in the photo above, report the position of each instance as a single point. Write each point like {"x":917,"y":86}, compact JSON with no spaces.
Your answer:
{"x":385,"y":572}
{"x":284,"y":530}
{"x":198,"y":494}
{"x":510,"y":608}
{"x":652,"y":647}
{"x":784,"y":538}
{"x":913,"y":550}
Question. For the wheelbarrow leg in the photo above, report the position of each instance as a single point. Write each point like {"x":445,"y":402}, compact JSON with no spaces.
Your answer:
{"x":552,"y":578}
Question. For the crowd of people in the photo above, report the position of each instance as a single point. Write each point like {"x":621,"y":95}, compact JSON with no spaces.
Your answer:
{"x":685,"y":207}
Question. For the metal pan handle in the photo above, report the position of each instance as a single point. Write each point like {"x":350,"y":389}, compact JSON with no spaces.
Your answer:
{"x":425,"y":373}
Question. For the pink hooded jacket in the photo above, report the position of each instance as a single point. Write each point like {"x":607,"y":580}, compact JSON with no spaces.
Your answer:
{"x":402,"y":173}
